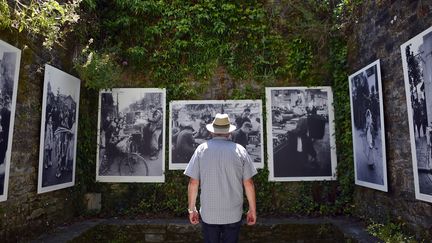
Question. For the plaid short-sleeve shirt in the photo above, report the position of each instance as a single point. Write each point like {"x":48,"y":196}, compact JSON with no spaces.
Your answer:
{"x":221,"y":166}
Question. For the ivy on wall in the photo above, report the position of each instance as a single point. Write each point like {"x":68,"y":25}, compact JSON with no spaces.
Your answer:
{"x":45,"y":19}
{"x":181,"y":46}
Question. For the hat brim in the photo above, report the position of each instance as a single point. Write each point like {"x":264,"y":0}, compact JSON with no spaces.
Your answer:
{"x":217,"y":130}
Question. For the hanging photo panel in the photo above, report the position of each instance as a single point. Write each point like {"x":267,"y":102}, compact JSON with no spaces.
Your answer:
{"x":417,"y":67}
{"x":59,"y":124}
{"x":300,"y":134}
{"x":188,"y":120}
{"x":131,"y":135}
{"x":368,"y":133}
{"x":10,"y":57}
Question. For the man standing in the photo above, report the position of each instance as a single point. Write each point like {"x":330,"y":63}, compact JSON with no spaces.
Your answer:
{"x":222,"y":168}
{"x":243,"y":118}
{"x":241,"y":136}
{"x":156,"y":130}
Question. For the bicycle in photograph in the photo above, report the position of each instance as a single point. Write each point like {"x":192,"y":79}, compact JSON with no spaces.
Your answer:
{"x":130,"y":158}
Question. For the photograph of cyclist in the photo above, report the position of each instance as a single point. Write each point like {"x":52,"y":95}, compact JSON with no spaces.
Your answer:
{"x":188,"y":121}
{"x":417,"y":68}
{"x":131,"y":135}
{"x":368,"y":134}
{"x":58,"y":130}
{"x":10,"y":58}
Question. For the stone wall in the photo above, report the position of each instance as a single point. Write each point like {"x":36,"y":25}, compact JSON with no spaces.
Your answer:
{"x":26,"y":213}
{"x":381,"y":28}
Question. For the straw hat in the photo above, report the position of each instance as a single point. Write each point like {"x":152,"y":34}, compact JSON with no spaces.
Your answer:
{"x":221,"y":124}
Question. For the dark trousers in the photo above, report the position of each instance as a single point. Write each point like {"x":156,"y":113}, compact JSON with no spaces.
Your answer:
{"x":216,"y":233}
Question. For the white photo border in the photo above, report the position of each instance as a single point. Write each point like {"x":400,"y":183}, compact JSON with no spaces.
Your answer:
{"x":133,"y":179}
{"x":375,"y":186}
{"x":269,"y":123}
{"x":9,"y":47}
{"x":418,"y":194}
{"x":182,"y":166}
{"x":49,"y":70}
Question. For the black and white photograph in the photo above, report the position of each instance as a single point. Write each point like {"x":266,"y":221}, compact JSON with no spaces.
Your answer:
{"x":300,"y":134}
{"x":417,"y":67}
{"x":10,"y":58}
{"x":131,"y":135}
{"x":187,"y":127}
{"x":367,"y":119}
{"x":59,"y":124}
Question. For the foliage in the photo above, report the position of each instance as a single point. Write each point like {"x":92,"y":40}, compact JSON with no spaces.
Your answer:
{"x":177,"y":41}
{"x":390,"y":232}
{"x":345,"y":169}
{"x":5,"y":20}
{"x":46,"y":18}
{"x":99,"y":70}
{"x":182,"y":46}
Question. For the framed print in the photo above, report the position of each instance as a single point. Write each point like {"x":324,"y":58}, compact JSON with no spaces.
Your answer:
{"x":59,"y":124}
{"x":187,"y":127}
{"x":417,"y":68}
{"x":10,"y":58}
{"x":367,"y":119}
{"x":300,"y":134}
{"x":131,"y":135}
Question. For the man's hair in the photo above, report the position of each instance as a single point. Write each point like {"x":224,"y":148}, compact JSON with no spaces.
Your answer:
{"x":220,"y":134}
{"x":247,"y":109}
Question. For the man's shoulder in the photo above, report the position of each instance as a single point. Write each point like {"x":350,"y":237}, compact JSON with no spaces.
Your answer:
{"x":202,"y":147}
{"x":233,"y":146}
{"x":240,"y":149}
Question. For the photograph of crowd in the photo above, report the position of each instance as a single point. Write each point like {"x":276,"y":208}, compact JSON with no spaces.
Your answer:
{"x":131,"y":135}
{"x":59,"y":125}
{"x":417,"y":66}
{"x":188,"y":121}
{"x":300,"y":134}
{"x":368,"y":127}
{"x":10,"y":58}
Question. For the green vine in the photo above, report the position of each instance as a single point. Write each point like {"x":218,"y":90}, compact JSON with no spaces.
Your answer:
{"x":185,"y":47}
{"x":177,"y":41}
{"x":40,"y":18}
{"x":345,"y":169}
{"x":5,"y":20}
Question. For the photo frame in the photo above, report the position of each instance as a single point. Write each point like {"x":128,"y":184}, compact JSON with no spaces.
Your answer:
{"x":131,"y":135}
{"x":300,"y":134}
{"x":417,"y":63}
{"x":187,"y":127}
{"x":10,"y":58}
{"x":59,"y":128}
{"x":368,"y":132}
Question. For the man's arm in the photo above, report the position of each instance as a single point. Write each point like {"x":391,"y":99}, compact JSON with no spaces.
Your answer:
{"x":192,"y":196}
{"x":250,"y":194}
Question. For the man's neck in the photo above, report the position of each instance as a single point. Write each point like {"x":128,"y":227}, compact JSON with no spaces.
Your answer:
{"x":220,"y":136}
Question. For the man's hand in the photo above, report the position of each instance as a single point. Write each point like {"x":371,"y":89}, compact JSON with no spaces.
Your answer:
{"x":250,"y":194}
{"x":251,"y":217}
{"x":194,"y":217}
